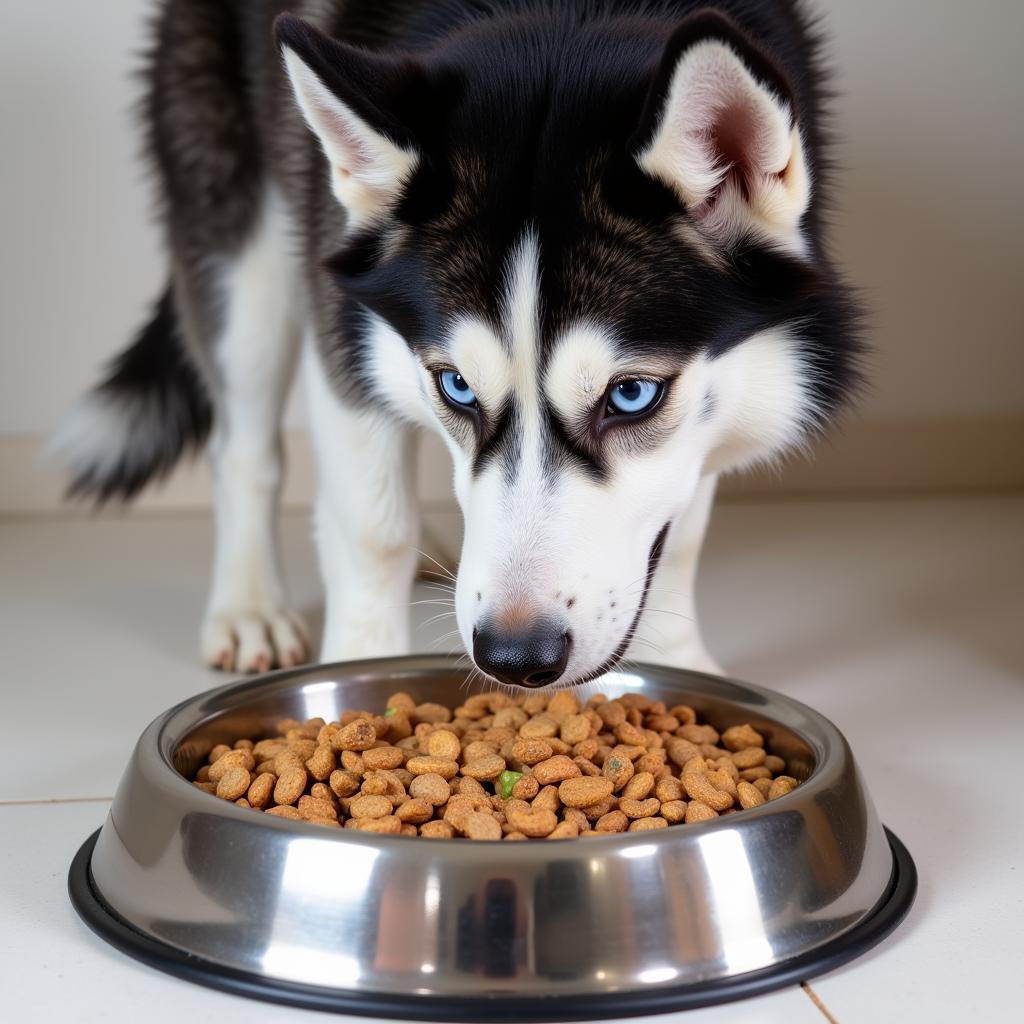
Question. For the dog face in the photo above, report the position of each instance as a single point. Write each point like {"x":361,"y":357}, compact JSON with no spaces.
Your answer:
{"x":590,"y":271}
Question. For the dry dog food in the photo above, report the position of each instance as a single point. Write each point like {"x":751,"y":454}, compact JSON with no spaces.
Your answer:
{"x":500,"y":767}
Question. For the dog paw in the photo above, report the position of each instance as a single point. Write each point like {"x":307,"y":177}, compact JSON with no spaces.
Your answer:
{"x":253,"y":641}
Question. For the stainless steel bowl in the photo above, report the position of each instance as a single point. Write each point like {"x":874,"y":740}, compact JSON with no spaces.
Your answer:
{"x":396,"y":926}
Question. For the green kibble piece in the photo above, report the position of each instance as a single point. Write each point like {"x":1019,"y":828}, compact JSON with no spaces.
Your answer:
{"x":388,"y":712}
{"x":506,"y":783}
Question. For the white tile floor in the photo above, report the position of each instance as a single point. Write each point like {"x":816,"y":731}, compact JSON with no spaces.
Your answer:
{"x":903,"y":621}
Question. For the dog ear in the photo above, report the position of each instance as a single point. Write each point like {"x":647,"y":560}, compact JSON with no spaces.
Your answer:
{"x":348,"y":97}
{"x":719,"y":128}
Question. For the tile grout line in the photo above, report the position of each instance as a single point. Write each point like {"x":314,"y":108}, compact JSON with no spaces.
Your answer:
{"x":57,"y":800}
{"x":816,"y":999}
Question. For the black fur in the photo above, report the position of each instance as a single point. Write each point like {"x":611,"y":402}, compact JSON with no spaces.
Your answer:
{"x":527,"y":113}
{"x":163,"y":405}
{"x":530,"y":113}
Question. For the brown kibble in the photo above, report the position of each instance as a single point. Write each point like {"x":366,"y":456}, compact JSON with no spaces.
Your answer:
{"x":595,"y":811}
{"x":291,"y":784}
{"x":722,"y":780}
{"x":639,"y":787}
{"x":586,"y":767}
{"x":629,"y":734}
{"x":444,"y":744}
{"x":663,"y":723}
{"x":531,"y":751}
{"x":563,"y":704}
{"x":749,"y":757}
{"x":387,"y":825}
{"x":541,"y":727}
{"x":565,"y":830}
{"x":739,"y":737}
{"x":431,"y":787}
{"x":699,"y":734}
{"x":698,"y":811}
{"x":261,"y":790}
{"x":640,"y":808}
{"x":417,"y":811}
{"x":669,"y":789}
{"x":611,"y":713}
{"x":433,"y":766}
{"x":488,"y":767}
{"x":228,"y":760}
{"x":401,"y":702}
{"x":477,"y":749}
{"x":584,"y":791}
{"x":321,"y":763}
{"x":283,"y":811}
{"x":370,"y":807}
{"x":618,"y":769}
{"x":674,"y":811}
{"x":610,"y":766}
{"x":233,"y":783}
{"x":699,"y":788}
{"x":356,"y":736}
{"x":613,"y":821}
{"x":681,"y":751}
{"x":534,"y":822}
{"x":555,"y":769}
{"x":547,"y":799}
{"x":481,"y":826}
{"x":526,"y":788}
{"x":781,"y":786}
{"x":433,"y":713}
{"x":383,"y":758}
{"x":749,"y":795}
{"x":310,"y":807}
{"x":647,"y":824}
{"x":685,"y":714}
{"x":437,"y":830}
{"x":344,"y":783}
{"x":575,"y":729}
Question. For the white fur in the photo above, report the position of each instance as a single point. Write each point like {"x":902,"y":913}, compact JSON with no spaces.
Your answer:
{"x":710,"y":84}
{"x":367,"y":168}
{"x":367,"y":524}
{"x":669,"y":632}
{"x":96,"y":434}
{"x":763,"y":401}
{"x":248,"y":625}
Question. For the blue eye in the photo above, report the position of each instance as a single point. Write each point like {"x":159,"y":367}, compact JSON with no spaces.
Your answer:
{"x":633,"y":396}
{"x":455,"y":389}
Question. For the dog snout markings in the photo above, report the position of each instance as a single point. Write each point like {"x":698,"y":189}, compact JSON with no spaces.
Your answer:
{"x":570,"y":602}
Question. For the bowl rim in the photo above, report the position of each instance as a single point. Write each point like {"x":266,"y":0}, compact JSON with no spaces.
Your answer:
{"x":157,"y":738}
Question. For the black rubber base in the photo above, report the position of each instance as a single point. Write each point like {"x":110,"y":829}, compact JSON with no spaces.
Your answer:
{"x":886,"y":915}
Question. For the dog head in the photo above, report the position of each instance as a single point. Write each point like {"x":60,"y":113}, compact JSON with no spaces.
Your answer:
{"x":588,"y":256}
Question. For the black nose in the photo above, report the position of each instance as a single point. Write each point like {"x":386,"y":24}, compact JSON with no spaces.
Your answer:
{"x":533,"y":657}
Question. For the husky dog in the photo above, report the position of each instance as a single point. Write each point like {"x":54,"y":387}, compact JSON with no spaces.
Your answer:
{"x":579,"y":239}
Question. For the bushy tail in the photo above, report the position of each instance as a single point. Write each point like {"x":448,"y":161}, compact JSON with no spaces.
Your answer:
{"x":136,"y":424}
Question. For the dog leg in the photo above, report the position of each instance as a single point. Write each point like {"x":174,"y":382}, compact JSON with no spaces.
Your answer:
{"x":367,"y":522}
{"x":671,"y":615}
{"x":248,"y":626}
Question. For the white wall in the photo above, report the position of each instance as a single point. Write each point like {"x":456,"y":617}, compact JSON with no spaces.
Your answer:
{"x":932,"y":224}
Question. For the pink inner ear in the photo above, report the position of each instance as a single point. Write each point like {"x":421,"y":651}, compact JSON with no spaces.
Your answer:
{"x":347,"y":138}
{"x":732,"y":138}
